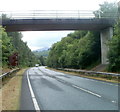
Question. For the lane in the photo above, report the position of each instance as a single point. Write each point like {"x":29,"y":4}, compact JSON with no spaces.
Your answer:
{"x":53,"y":94}
{"x":107,"y":90}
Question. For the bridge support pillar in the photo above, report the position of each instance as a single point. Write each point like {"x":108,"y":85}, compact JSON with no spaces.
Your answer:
{"x":105,"y":35}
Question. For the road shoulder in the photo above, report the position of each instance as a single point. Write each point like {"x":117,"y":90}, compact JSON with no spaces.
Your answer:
{"x":26,"y":99}
{"x":11,"y":92}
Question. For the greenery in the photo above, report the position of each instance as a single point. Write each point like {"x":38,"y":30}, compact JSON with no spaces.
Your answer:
{"x":44,"y":53}
{"x":81,"y":49}
{"x":12,"y":43}
{"x":78,"y":50}
{"x":114,"y":52}
{"x":7,"y":47}
{"x":42,"y":56}
{"x":107,"y":10}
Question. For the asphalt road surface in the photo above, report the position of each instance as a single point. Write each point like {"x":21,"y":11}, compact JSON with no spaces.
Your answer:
{"x":44,"y":89}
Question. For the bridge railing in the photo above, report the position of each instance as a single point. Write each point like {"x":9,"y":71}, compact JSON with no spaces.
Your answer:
{"x":55,"y":14}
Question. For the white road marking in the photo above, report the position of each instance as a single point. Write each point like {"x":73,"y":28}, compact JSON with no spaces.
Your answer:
{"x":87,"y":91}
{"x":113,"y":101}
{"x":86,"y":78}
{"x":75,"y":86}
{"x":37,"y":108}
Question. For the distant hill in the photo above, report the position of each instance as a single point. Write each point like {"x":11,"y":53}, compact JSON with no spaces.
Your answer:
{"x":42,"y":49}
{"x":42,"y":52}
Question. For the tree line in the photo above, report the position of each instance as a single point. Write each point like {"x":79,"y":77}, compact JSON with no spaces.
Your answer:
{"x":82,"y":49}
{"x":114,"y":50}
{"x":12,"y":43}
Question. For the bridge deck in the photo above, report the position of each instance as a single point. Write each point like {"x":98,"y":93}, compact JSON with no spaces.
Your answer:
{"x":56,"y":24}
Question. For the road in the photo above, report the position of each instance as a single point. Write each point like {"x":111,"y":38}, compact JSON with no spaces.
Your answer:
{"x":45,"y":89}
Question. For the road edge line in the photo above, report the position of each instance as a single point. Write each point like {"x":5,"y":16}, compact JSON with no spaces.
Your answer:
{"x":37,"y":108}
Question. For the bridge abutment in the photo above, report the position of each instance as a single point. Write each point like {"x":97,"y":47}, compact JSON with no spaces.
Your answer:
{"x":105,"y":35}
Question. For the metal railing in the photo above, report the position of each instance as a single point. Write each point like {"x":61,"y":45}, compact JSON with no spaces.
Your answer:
{"x":8,"y":73}
{"x":90,"y":72}
{"x":55,"y":14}
{"x":59,"y":14}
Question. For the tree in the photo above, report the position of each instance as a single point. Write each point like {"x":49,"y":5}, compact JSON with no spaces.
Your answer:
{"x":72,"y":52}
{"x":12,"y":43}
{"x":107,"y":10}
{"x":114,"y":52}
{"x":7,"y":47}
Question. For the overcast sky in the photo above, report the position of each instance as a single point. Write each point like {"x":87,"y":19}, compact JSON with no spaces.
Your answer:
{"x":36,"y":40}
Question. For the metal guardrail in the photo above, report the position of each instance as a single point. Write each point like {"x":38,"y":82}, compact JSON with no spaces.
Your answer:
{"x":90,"y":72}
{"x":54,"y":14}
{"x":8,"y":73}
{"x":35,"y":14}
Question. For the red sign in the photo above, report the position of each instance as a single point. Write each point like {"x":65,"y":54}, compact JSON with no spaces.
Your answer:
{"x":13,"y":59}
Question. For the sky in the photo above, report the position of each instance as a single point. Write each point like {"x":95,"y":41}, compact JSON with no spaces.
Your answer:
{"x":39,"y":39}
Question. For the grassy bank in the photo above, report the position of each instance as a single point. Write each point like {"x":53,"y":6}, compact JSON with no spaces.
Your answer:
{"x":11,"y":92}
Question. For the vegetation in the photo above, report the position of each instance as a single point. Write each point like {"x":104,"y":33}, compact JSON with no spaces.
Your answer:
{"x":12,"y":43}
{"x":7,"y":48}
{"x":41,"y":56}
{"x":44,"y":53}
{"x":107,"y":10}
{"x":114,"y":52}
{"x":80,"y":49}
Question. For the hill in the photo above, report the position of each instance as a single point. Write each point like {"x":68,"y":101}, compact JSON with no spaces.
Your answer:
{"x":43,"y":53}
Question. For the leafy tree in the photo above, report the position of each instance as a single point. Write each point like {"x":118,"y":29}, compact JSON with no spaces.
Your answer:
{"x":72,"y":52}
{"x":12,"y":43}
{"x":7,"y":47}
{"x":41,"y":53}
{"x":107,"y":10}
{"x":114,"y":52}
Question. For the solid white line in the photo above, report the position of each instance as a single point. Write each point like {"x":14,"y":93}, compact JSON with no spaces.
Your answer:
{"x":37,"y":108}
{"x":87,"y":91}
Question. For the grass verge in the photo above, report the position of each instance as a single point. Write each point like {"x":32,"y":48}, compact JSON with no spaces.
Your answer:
{"x":10,"y":92}
{"x":101,"y":78}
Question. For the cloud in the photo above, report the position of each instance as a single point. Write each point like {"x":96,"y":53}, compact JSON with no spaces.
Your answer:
{"x":40,"y":39}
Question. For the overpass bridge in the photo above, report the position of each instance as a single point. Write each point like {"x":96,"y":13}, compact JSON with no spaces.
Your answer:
{"x":61,"y":20}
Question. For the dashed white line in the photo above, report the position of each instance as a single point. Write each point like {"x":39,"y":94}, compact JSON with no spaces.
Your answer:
{"x":37,"y":108}
{"x":86,"y":91}
{"x":113,"y":101}
{"x":75,"y":86}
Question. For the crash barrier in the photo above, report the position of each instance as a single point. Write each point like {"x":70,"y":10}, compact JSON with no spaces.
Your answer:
{"x":86,"y":72}
{"x":9,"y":73}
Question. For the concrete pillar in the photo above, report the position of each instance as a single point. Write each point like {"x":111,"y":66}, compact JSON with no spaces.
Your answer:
{"x":105,"y":35}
